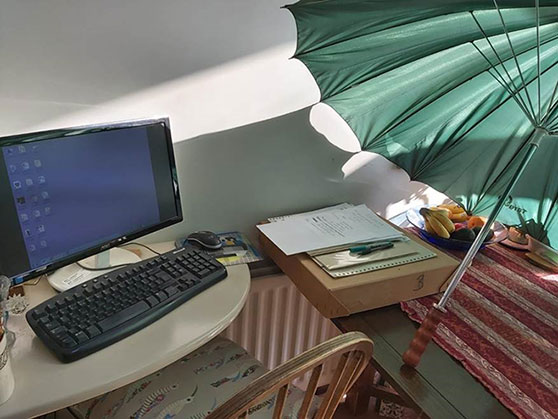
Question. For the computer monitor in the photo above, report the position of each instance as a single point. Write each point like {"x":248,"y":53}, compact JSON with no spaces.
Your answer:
{"x":71,"y":193}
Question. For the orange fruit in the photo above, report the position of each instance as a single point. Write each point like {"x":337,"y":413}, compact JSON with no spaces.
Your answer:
{"x":476,"y":221}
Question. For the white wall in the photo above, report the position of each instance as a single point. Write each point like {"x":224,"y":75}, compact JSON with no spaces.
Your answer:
{"x":239,"y":107}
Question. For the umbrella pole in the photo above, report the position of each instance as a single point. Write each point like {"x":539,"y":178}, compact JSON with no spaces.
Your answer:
{"x":424,"y":334}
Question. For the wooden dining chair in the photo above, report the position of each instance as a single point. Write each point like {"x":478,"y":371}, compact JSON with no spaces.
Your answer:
{"x":354,"y":351}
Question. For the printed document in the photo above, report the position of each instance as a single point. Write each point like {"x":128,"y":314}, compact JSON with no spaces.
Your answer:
{"x":336,"y":227}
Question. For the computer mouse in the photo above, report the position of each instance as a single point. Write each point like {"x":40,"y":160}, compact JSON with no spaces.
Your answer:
{"x":206,"y":239}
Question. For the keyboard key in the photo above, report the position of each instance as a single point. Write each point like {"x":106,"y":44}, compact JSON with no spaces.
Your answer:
{"x":44,"y":320}
{"x":52,"y":325}
{"x":171,"y":290}
{"x":64,"y":320}
{"x":58,"y":330}
{"x":68,"y":342}
{"x":164,"y":276}
{"x":162,"y":296}
{"x":81,"y":337}
{"x":152,"y":301}
{"x":123,"y":316}
{"x":37,"y":314}
{"x":92,"y":331}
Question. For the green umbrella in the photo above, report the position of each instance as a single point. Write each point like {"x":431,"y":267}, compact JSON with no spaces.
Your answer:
{"x":462,"y":95}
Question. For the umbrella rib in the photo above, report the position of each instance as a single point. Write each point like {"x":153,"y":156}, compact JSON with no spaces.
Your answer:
{"x":551,"y":105}
{"x":502,"y":82}
{"x":551,"y":123}
{"x":548,"y":216}
{"x":488,"y":185}
{"x":401,"y":120}
{"x":427,"y":166}
{"x":514,"y":55}
{"x":512,"y":82}
{"x":537,"y":7}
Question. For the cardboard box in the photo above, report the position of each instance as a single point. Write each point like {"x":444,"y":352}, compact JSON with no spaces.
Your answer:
{"x":338,"y":297}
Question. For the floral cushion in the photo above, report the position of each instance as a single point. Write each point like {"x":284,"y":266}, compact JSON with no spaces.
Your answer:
{"x":190,"y":388}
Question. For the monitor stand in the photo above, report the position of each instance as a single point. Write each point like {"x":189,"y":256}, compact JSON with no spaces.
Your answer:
{"x":72,"y":275}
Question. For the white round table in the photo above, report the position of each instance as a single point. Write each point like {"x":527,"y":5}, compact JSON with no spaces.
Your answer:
{"x":44,"y":384}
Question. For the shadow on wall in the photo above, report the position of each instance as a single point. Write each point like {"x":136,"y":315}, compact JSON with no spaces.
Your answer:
{"x":232,"y":179}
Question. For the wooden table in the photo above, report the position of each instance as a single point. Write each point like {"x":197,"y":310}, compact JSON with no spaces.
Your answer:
{"x":44,"y":384}
{"x":439,"y":388}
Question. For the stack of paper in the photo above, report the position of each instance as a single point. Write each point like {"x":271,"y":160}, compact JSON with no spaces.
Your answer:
{"x":329,"y":229}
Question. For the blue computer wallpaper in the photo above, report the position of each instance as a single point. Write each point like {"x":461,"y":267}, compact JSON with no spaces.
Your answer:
{"x":75,"y":193}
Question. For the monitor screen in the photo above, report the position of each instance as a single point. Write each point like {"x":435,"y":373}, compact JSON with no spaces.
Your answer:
{"x":67,"y":194}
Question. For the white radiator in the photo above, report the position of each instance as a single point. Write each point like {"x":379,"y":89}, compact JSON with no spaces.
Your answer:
{"x":278,"y":323}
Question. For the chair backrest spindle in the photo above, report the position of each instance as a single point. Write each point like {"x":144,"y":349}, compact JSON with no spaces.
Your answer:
{"x":280,"y":401}
{"x":355,"y":350}
{"x":310,"y":391}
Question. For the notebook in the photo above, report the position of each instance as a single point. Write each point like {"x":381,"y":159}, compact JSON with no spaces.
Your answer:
{"x":343,"y":263}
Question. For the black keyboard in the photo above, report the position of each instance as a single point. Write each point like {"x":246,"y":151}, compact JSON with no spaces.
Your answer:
{"x":108,"y":308}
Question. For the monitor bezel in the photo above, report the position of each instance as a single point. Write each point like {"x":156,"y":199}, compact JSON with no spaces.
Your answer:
{"x":93,"y":128}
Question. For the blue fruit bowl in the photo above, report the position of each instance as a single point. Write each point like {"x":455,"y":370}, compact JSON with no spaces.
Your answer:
{"x":414,"y":217}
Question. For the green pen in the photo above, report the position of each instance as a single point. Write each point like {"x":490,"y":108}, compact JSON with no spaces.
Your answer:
{"x":369,"y":248}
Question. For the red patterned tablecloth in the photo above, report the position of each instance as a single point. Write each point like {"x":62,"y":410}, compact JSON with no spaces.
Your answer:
{"x":502,"y":325}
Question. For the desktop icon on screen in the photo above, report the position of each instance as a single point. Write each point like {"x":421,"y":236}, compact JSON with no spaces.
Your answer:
{"x":17,"y":184}
{"x":25,"y":166}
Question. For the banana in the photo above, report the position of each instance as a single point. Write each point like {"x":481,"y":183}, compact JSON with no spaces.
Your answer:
{"x":446,"y":211}
{"x":446,"y":222}
{"x":438,"y":227}
{"x":455,"y":209}
{"x":429,"y":228}
{"x":459,"y":217}
{"x":435,"y":224}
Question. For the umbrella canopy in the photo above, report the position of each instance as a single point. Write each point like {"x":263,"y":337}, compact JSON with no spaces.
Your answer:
{"x":450,"y":91}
